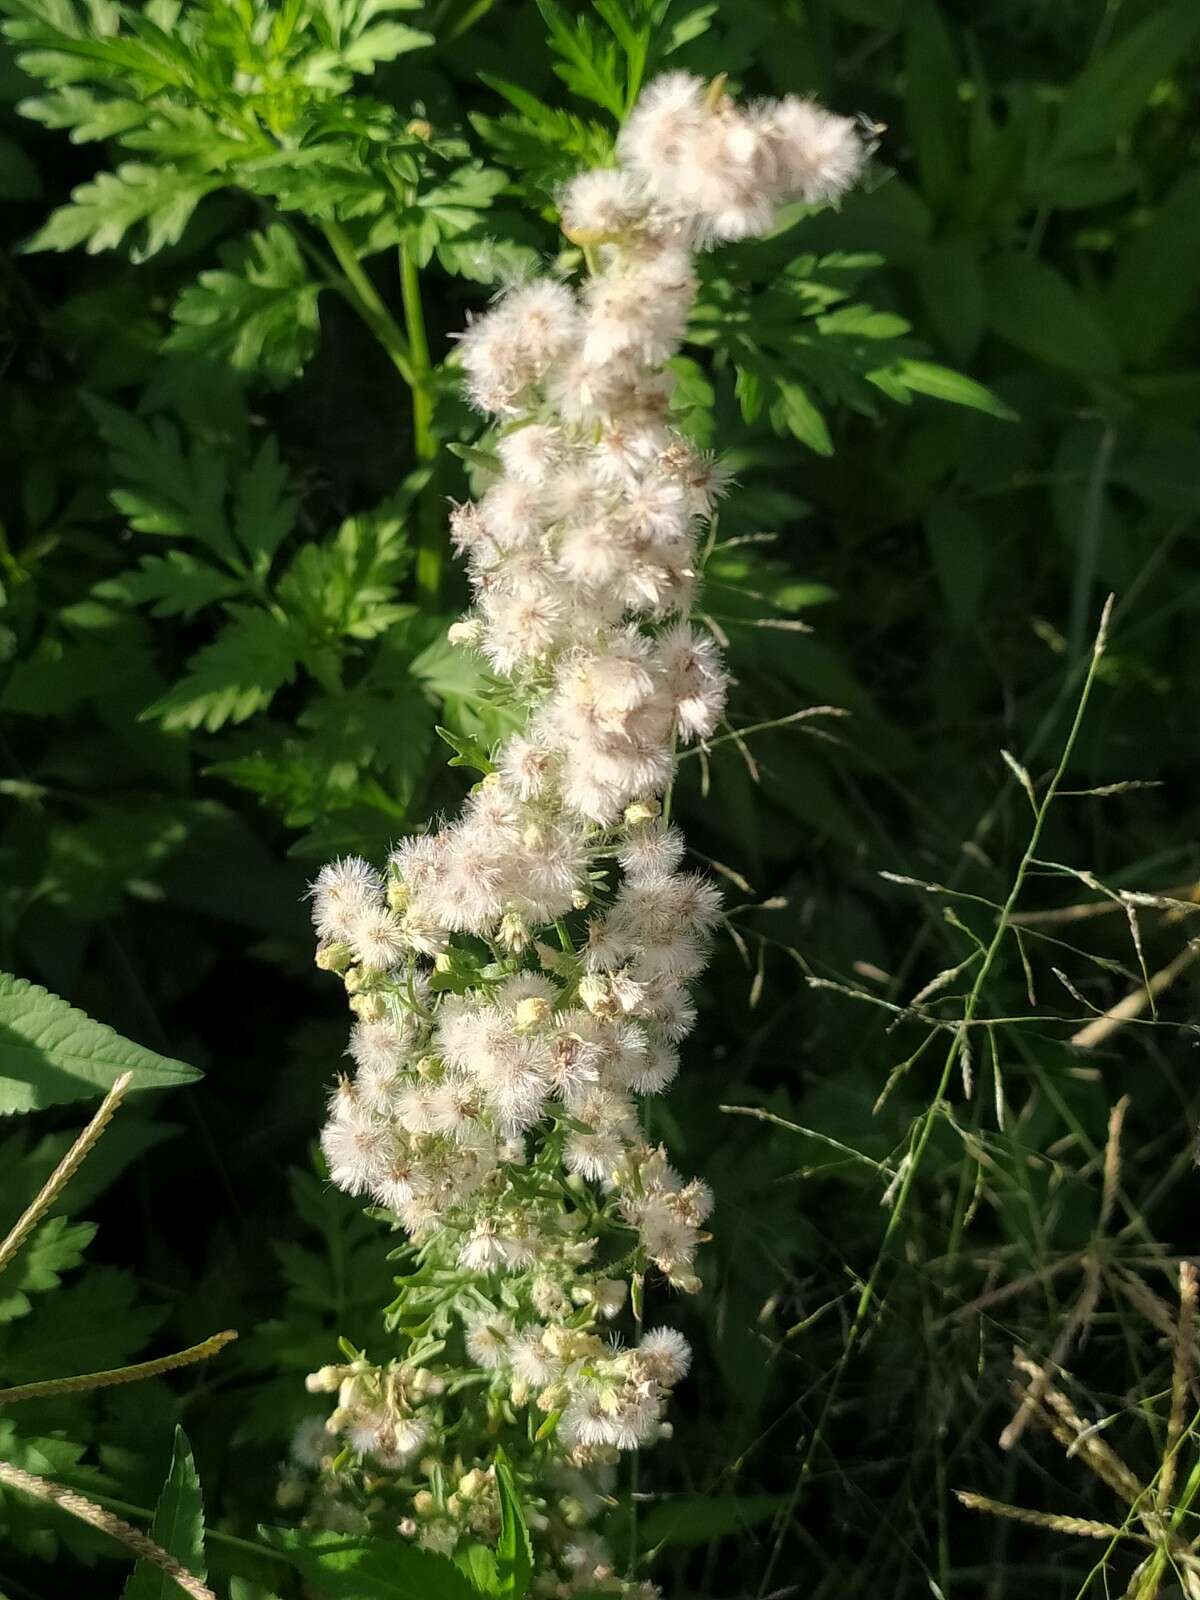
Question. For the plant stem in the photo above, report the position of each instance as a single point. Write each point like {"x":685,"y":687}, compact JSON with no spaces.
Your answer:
{"x":144,"y":1548}
{"x":365,"y":298}
{"x":430,"y":540}
{"x":116,"y":1375}
{"x":213,"y":1535}
{"x":64,"y":1171}
{"x":929,"y":1116}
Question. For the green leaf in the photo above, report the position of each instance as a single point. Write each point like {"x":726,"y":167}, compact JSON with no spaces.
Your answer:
{"x":92,"y":1323}
{"x":699,"y":1519}
{"x":1077,"y":185}
{"x":951,"y":286}
{"x":347,"y":586}
{"x":165,"y":487}
{"x":1157,"y":275}
{"x":542,"y":144}
{"x":1110,"y":94}
{"x":355,"y":1567}
{"x":1034,"y":307}
{"x":514,"y":1553}
{"x":467,"y":752}
{"x":479,"y":1565}
{"x":178,"y":1527}
{"x":959,"y":551}
{"x":159,"y":198}
{"x":89,"y":116}
{"x":589,"y":63}
{"x":245,"y":1589}
{"x":235,"y":676}
{"x":51,"y":1054}
{"x":264,"y":509}
{"x":795,"y":410}
{"x":258,"y":311}
{"x":931,"y":72}
{"x":943,"y":383}
{"x":54,"y":1248}
{"x":384,"y":42}
{"x":174,"y":585}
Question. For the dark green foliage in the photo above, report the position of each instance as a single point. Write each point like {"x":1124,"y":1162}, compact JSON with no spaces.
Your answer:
{"x":960,"y":411}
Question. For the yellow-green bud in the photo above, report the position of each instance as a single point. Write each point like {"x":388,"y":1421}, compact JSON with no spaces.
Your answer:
{"x":532,"y":1012}
{"x":334,"y":957}
{"x":641,"y":811}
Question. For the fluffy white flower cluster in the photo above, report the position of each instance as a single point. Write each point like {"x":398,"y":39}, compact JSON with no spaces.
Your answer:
{"x":520,"y":975}
{"x":713,"y":170}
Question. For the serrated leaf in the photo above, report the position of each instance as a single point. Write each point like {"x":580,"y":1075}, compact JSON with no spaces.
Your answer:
{"x":174,"y":585}
{"x":347,"y":586}
{"x":54,"y":1248}
{"x":383,"y":42}
{"x":92,"y":1323}
{"x":89,"y":116}
{"x":542,"y":143}
{"x":467,"y":752}
{"x":51,"y":1054}
{"x":235,"y":676}
{"x":163,"y":486}
{"x":258,"y":311}
{"x":340,"y":1566}
{"x":159,"y":199}
{"x":264,"y":510}
{"x":178,"y":1526}
{"x":588,"y":64}
{"x":326,"y":180}
{"x":477,"y":1563}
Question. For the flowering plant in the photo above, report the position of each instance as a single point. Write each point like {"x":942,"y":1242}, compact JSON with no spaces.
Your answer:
{"x":519,"y":976}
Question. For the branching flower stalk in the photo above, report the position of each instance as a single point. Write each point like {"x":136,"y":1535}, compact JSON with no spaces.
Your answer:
{"x":520,"y":975}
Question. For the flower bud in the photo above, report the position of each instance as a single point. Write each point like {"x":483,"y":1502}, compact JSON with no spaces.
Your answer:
{"x":514,"y":933}
{"x":333,"y":957}
{"x":641,"y":811}
{"x":532,"y":1012}
{"x":325,"y":1381}
{"x":596,"y":995}
{"x":468,"y":632}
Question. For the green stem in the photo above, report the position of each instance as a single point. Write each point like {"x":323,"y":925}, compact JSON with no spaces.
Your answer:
{"x":899,"y":1209}
{"x":123,"y":1508}
{"x":364,"y":297}
{"x":431,"y":541}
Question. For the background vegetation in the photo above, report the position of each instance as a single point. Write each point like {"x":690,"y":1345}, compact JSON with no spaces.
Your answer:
{"x":961,"y":410}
